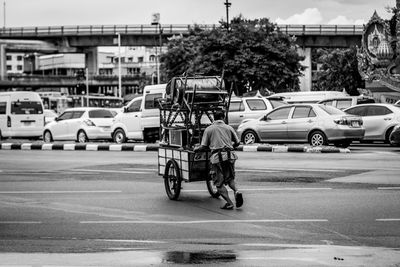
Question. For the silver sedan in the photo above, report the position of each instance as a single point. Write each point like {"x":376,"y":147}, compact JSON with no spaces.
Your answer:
{"x":314,"y":123}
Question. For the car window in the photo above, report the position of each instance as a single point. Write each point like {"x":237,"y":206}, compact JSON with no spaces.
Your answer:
{"x":236,"y":106}
{"x":303,"y":112}
{"x":276,"y":103}
{"x":151,"y":101}
{"x":3,"y":106}
{"x":343,"y":103}
{"x":279,"y":114}
{"x":135,"y":106}
{"x":26,"y":107}
{"x":100,"y":113}
{"x":331,"y":110}
{"x":378,"y":111}
{"x":77,"y":114}
{"x":256,"y":104}
{"x":65,"y":116}
{"x":359,"y":111}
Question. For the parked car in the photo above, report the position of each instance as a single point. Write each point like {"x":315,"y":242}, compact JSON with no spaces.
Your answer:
{"x":394,"y":137}
{"x":49,"y":115}
{"x":250,"y":108}
{"x":379,"y":120}
{"x":21,"y":114}
{"x":314,"y":123}
{"x":80,"y":124}
{"x":346,"y":102}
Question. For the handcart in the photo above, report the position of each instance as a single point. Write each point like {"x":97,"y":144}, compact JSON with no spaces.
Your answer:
{"x":184,"y":115}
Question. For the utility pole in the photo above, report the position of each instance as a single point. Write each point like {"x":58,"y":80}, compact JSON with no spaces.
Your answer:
{"x":227,"y":5}
{"x":4,"y":14}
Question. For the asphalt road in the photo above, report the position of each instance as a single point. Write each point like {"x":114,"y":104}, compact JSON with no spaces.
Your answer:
{"x":301,"y":209}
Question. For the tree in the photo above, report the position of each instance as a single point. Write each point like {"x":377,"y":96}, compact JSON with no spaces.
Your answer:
{"x":338,"y":71}
{"x":253,"y":55}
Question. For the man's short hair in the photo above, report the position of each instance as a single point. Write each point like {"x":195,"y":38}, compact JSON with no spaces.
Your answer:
{"x":219,"y":115}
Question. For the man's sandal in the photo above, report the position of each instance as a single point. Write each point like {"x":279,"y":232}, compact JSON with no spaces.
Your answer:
{"x":227,"y":206}
{"x":238,"y":199}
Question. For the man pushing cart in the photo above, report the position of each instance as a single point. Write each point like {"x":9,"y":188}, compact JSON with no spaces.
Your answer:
{"x":194,"y":113}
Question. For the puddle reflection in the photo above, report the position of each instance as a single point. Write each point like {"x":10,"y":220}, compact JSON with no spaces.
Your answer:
{"x":201,"y":257}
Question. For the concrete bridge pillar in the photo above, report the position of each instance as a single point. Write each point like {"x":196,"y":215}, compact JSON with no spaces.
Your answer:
{"x":3,"y":62}
{"x":91,"y":60}
{"x":306,"y":80}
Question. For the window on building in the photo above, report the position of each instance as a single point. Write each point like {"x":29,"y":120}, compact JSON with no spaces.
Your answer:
{"x":130,"y":59}
{"x":19,"y":67}
{"x":9,"y":57}
{"x":152,"y":58}
{"x":140,"y":59}
{"x":19,"y":58}
{"x":9,"y":67}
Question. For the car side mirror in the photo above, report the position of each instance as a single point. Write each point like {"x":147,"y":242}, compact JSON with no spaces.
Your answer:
{"x":125,"y":109}
{"x":57,"y":119}
{"x":266,"y":118}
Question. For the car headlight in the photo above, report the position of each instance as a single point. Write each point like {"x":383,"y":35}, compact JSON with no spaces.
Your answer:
{"x":396,"y":127}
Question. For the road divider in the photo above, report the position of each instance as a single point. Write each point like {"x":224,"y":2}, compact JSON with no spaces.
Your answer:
{"x":154,"y":147}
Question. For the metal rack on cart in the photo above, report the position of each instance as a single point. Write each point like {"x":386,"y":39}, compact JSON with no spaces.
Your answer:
{"x":184,"y":115}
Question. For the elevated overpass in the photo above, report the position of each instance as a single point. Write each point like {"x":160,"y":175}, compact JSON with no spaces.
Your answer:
{"x":86,"y":39}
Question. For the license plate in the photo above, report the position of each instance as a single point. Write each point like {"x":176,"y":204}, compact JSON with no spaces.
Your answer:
{"x":355,"y":124}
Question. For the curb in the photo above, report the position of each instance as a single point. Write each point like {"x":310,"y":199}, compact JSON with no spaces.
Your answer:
{"x":154,"y":147}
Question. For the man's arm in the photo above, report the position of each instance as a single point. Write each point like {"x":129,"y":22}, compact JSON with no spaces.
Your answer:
{"x":235,"y":138}
{"x":205,"y":141}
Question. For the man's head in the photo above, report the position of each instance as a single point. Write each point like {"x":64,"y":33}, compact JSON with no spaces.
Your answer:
{"x":219,"y":115}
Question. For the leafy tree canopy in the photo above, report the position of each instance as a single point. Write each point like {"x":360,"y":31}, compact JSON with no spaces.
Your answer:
{"x":252,"y":54}
{"x":338,"y":70}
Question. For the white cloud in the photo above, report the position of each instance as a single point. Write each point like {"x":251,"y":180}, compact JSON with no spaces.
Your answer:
{"x":309,"y":16}
{"x":342,"y":20}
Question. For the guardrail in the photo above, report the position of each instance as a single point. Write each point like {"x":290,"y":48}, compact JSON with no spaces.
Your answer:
{"x":78,"y":30}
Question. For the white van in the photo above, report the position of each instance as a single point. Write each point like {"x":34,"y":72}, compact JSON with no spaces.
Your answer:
{"x":140,"y":119}
{"x":21,"y":115}
{"x":309,"y":96}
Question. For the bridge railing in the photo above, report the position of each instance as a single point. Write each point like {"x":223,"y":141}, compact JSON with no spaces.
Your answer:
{"x":146,"y":29}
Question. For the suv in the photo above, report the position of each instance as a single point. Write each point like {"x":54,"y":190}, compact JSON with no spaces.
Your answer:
{"x":140,"y":119}
{"x":250,"y":108}
{"x":346,"y":102}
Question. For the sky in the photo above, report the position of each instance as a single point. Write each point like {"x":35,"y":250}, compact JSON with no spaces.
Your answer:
{"x":19,"y":13}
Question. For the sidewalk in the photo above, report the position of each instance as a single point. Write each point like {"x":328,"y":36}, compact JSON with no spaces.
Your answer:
{"x":154,"y":147}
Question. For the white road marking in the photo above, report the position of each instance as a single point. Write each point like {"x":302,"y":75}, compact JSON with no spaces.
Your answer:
{"x":113,"y":171}
{"x":388,"y":220}
{"x":20,"y":222}
{"x":131,"y":241}
{"x":205,"y":221}
{"x":389,"y":188}
{"x":60,"y":192}
{"x":268,"y":189}
{"x":289,"y":169}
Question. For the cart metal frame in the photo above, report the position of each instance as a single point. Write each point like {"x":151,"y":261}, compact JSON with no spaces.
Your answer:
{"x":182,"y":124}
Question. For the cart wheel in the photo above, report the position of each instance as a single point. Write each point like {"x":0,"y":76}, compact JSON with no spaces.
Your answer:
{"x":212,"y":189}
{"x":172,"y":180}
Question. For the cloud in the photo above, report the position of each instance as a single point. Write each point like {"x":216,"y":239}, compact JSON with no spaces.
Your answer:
{"x":342,"y":20}
{"x":309,"y":16}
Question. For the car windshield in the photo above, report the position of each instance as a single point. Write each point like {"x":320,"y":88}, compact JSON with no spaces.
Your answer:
{"x":331,"y":110}
{"x":100,"y":113}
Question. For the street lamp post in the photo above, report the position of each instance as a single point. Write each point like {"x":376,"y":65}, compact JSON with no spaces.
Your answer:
{"x":156,"y":22}
{"x":87,"y":86}
{"x":119,"y":66}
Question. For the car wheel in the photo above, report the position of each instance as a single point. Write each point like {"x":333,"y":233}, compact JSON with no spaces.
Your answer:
{"x":249,"y":137}
{"x":47,"y":137}
{"x":317,"y":138}
{"x":119,"y":136}
{"x":387,"y":136}
{"x":82,"y":137}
